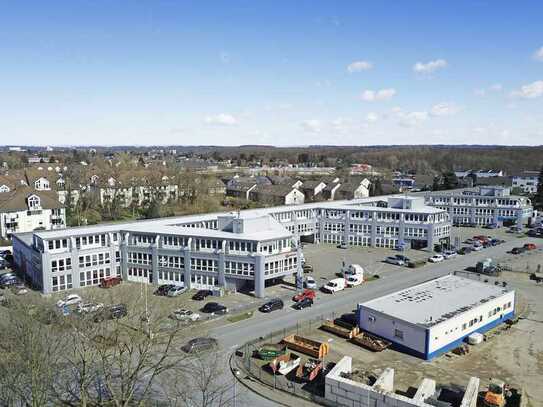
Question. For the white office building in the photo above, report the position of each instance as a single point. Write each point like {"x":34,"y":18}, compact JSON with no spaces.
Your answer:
{"x":526,"y":181}
{"x":482,"y":206}
{"x":434,"y":317}
{"x":237,"y":250}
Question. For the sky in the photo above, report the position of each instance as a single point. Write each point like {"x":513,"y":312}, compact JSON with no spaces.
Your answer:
{"x":286,"y":73}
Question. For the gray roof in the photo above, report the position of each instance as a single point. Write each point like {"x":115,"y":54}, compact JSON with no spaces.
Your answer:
{"x":435,"y":301}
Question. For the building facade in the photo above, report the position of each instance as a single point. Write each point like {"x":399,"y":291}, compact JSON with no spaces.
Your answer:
{"x":527,"y":181}
{"x":434,"y":317}
{"x":244,"y":249}
{"x":482,"y":206}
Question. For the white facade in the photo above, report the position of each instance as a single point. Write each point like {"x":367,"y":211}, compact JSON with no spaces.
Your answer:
{"x":527,"y":181}
{"x":434,"y":317}
{"x":294,"y":197}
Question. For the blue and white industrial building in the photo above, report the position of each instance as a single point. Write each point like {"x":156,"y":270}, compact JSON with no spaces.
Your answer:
{"x":431,"y":318}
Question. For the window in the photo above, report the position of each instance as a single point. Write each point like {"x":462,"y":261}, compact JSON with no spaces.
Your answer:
{"x":398,"y":334}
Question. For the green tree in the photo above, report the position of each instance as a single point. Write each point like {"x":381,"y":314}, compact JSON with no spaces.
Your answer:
{"x":450,"y":181}
{"x":538,"y":198}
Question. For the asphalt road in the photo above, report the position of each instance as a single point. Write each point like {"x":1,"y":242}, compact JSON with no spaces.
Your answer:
{"x":233,"y":335}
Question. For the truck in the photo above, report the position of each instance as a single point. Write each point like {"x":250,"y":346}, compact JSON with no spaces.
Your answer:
{"x":487,"y":267}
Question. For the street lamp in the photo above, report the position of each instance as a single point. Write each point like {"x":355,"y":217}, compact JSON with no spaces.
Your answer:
{"x":236,"y":373}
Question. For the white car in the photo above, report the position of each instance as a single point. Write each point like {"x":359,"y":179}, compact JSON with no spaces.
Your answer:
{"x":449,"y":254}
{"x":354,"y":280}
{"x":394,"y":260}
{"x":436,"y":258}
{"x":72,"y":299}
{"x":477,"y":247}
{"x":185,"y":315}
{"x":176,"y":290}
{"x":310,"y":283}
{"x":334,"y":285}
{"x":89,"y":307}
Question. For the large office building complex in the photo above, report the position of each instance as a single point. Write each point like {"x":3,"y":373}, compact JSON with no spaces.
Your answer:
{"x":434,"y":317}
{"x":482,"y":206}
{"x":231,"y":250}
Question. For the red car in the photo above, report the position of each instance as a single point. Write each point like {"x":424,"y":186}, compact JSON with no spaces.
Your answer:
{"x":305,"y":294}
{"x":530,"y":246}
{"x":481,"y":238}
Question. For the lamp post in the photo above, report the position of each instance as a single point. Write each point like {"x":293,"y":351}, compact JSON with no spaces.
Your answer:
{"x":236,"y":373}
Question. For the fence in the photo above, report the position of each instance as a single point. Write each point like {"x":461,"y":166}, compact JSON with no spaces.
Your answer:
{"x":260,"y":371}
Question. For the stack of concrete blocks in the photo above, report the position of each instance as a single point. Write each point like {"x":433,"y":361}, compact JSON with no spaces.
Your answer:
{"x":341,"y":391}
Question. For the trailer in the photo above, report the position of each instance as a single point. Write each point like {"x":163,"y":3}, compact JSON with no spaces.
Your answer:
{"x":284,"y":364}
{"x":270,"y":351}
{"x":338,"y":330}
{"x":308,"y":346}
{"x":371,"y":342}
{"x":309,"y":370}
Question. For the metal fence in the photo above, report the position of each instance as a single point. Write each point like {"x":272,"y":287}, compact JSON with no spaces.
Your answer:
{"x":259,"y":370}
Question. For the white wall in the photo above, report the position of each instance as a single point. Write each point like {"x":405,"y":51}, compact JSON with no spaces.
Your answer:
{"x":451,"y":330}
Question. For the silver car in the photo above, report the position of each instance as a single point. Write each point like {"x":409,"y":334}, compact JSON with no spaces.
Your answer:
{"x":176,"y":290}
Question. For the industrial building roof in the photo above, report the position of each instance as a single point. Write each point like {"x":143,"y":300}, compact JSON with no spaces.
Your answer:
{"x":435,"y":301}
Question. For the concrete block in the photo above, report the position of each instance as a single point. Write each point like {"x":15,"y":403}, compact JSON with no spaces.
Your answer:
{"x":343,"y":401}
{"x":385,"y":382}
{"x":426,"y":389}
{"x":470,"y":396}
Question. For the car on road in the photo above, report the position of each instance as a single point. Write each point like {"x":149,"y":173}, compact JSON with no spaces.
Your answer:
{"x":163,"y":289}
{"x":306,"y":302}
{"x":530,"y":246}
{"x":310,"y":283}
{"x":185,"y":315}
{"x":200,"y":345}
{"x":177,"y":290}
{"x":202,"y":295}
{"x":354,"y":280}
{"x":518,"y":250}
{"x":272,"y":305}
{"x":334,"y":285}
{"x":214,"y":308}
{"x":304,"y":294}
{"x":436,"y":258}
{"x":477,"y":247}
{"x":71,"y":299}
{"x":394,"y":260}
{"x":449,"y":254}
{"x":89,"y":307}
{"x":117,"y":311}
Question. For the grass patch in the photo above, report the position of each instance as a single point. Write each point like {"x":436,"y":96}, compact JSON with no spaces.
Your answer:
{"x":240,"y":317}
{"x":370,"y":278}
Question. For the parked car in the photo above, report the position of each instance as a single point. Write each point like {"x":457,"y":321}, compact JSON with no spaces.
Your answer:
{"x":354,"y":280}
{"x":465,"y":250}
{"x":436,"y":258}
{"x":199,"y":345}
{"x":163,"y":289}
{"x":71,"y":299}
{"x":310,"y":283}
{"x":492,"y":226}
{"x":214,"y":308}
{"x":202,"y":295}
{"x":89,"y":307}
{"x":185,"y":315}
{"x":334,"y":285}
{"x":394,"y":260}
{"x":109,"y":282}
{"x":272,"y":305}
{"x":306,"y":302}
{"x":304,"y":294}
{"x":7,"y":276}
{"x":530,"y":246}
{"x":477,"y":247}
{"x":403,"y":258}
{"x":9,"y":282}
{"x":469,"y":241}
{"x":449,"y":254}
{"x":177,"y":290}
{"x":518,"y":250}
{"x":307,"y":268}
{"x":112,"y":312}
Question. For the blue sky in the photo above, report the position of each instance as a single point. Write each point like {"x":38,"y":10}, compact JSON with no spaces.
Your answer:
{"x":271,"y":72}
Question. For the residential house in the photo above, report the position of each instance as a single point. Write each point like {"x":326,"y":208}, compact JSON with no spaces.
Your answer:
{"x":276,"y":195}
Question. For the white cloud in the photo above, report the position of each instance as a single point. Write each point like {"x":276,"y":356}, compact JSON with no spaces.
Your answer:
{"x":358,"y":66}
{"x":497,"y":87}
{"x":383,"y":94}
{"x":372,"y":117}
{"x":222,"y":119}
{"x":479,"y":92}
{"x":538,"y":55}
{"x":530,"y":91}
{"x":312,"y":126}
{"x":429,"y":67}
{"x":411,"y":119}
{"x":444,"y":109}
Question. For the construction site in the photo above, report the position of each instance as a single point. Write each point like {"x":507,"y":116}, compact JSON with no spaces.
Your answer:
{"x":331,"y":362}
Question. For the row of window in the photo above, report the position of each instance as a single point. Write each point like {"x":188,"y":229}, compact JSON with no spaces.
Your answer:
{"x":281,"y":266}
{"x":61,"y":283}
{"x":140,"y":258}
{"x":239,"y":268}
{"x":61,"y":264}
{"x":176,"y":262}
{"x":95,"y":259}
{"x":203,"y":264}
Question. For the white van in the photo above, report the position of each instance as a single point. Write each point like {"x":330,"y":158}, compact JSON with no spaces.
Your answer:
{"x":332,"y":286}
